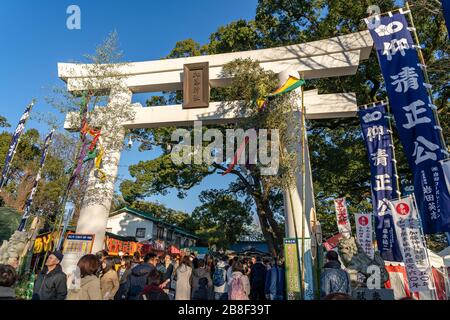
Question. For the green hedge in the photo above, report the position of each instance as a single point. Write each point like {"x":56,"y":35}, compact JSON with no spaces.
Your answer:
{"x":9,"y":222}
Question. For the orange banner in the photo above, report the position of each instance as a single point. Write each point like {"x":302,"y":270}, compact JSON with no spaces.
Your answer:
{"x":127,"y":247}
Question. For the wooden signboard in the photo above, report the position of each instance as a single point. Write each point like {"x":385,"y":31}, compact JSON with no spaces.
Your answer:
{"x":196,"y":85}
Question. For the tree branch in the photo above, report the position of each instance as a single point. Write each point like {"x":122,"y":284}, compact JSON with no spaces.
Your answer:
{"x":235,"y":172}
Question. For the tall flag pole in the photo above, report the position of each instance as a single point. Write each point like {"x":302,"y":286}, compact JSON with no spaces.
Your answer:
{"x":26,"y":214}
{"x":384,"y":179}
{"x":14,"y":143}
{"x":427,"y":84}
{"x":446,"y":9}
{"x":416,"y":117}
{"x":394,"y":160}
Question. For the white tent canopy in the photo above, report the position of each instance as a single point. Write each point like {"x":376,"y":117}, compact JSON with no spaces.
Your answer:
{"x":435,"y":260}
{"x":445,"y":255}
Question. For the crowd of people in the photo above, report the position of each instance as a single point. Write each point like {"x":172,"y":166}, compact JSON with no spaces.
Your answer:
{"x":152,"y":277}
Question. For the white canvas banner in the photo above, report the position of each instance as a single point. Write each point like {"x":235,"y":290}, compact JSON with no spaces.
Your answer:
{"x":343,"y":222}
{"x":364,"y":232}
{"x":411,"y":243}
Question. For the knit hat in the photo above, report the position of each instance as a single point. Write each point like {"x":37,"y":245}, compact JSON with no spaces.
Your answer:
{"x":58,"y":255}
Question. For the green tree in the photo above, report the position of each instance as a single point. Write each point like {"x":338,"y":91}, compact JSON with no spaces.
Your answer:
{"x":25,"y":165}
{"x":9,"y":222}
{"x":221,"y":218}
{"x":240,"y":35}
{"x":160,"y":175}
{"x":4,"y":122}
{"x":288,"y":22}
{"x":283,"y":22}
{"x":20,"y":177}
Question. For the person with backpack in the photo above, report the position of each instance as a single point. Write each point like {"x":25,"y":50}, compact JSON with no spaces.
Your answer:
{"x":239,"y":285}
{"x":138,"y":277}
{"x":198,"y":274}
{"x":220,"y":281}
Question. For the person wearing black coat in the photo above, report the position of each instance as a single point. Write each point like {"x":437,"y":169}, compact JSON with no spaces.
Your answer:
{"x":139,"y":277}
{"x":333,"y":278}
{"x":202,"y":292}
{"x":51,"y":283}
{"x":167,"y":269}
{"x":258,"y":280}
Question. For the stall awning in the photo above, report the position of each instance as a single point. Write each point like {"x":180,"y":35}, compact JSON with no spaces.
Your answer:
{"x":122,"y":238}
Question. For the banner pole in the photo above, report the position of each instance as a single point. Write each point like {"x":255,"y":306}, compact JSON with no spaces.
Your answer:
{"x":394,"y":159}
{"x":303,"y":188}
{"x":295,"y":232}
{"x":296,"y":238}
{"x":434,"y":291}
{"x":83,"y":111}
{"x":425,"y":73}
{"x":291,"y":204}
{"x":33,"y":101}
{"x":45,"y":150}
{"x":401,"y":10}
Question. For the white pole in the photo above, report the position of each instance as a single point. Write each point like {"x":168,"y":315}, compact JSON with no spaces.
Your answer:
{"x":434,"y":291}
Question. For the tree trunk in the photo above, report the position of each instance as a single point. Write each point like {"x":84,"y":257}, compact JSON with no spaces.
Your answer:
{"x":276,"y":227}
{"x":271,"y":229}
{"x":269,"y":235}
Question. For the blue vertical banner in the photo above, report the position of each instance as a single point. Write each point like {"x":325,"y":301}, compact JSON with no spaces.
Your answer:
{"x":446,"y":9}
{"x":14,"y":142}
{"x":415,"y":120}
{"x":378,"y":140}
{"x":26,"y":213}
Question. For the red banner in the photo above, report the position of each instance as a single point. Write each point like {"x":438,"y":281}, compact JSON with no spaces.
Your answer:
{"x":114,"y":246}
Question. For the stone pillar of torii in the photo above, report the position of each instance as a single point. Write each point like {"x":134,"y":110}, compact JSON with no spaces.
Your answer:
{"x":339,"y":56}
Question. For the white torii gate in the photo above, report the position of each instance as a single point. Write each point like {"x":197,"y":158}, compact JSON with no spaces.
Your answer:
{"x":332,"y":57}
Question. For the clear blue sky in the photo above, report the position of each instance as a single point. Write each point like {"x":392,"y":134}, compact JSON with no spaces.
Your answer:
{"x":35,"y":38}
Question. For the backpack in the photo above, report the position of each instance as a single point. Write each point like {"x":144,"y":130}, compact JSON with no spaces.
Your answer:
{"x":237,"y":290}
{"x":219,"y":277}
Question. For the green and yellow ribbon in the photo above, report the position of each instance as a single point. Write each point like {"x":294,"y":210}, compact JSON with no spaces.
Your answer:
{"x":291,"y":84}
